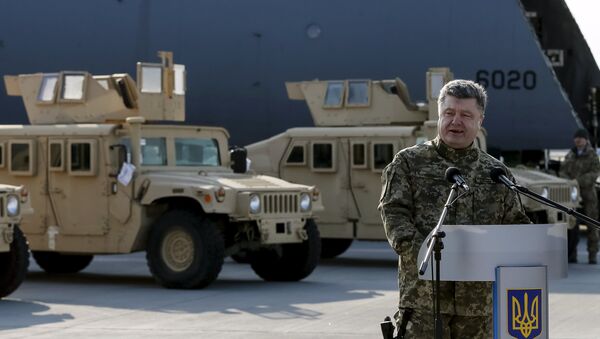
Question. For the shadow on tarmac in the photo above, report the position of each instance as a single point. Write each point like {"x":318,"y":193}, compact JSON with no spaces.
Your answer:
{"x":124,"y":282}
{"x":18,"y":314}
{"x":360,"y":262}
{"x":270,"y":300}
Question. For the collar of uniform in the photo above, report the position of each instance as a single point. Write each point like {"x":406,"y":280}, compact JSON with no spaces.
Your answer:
{"x":467,"y":155}
{"x":586,"y":149}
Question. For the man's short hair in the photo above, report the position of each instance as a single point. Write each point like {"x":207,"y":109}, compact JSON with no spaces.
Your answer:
{"x":464,"y":89}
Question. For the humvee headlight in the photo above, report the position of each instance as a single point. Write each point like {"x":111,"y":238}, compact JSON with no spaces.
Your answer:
{"x":545,"y":192}
{"x":220,"y":194}
{"x":305,"y":202}
{"x":574,"y":194}
{"x":254,"y":205}
{"x":12,"y":205}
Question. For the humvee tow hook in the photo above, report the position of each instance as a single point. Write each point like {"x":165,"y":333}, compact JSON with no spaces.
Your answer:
{"x":302,"y":234}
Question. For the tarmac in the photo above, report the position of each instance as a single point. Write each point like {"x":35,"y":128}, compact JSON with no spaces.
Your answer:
{"x":346,"y":297}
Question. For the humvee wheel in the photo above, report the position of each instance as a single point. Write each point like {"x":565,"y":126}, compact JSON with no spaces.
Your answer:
{"x":289,"y":262}
{"x":13,"y":264}
{"x":184,"y":250}
{"x":59,"y":263}
{"x":331,"y":248}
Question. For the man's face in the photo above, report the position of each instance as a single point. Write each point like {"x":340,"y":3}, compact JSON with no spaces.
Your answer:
{"x":459,"y":121}
{"x":580,"y":142}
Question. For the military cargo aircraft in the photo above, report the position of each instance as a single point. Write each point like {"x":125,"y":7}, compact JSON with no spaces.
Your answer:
{"x":529,"y":54}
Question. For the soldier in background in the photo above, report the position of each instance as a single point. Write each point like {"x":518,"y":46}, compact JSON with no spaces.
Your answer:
{"x":413,"y":194}
{"x":581,"y":163}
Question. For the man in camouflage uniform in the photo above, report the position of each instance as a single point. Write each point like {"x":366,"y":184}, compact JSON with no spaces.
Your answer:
{"x":413,"y":195}
{"x":581,"y":163}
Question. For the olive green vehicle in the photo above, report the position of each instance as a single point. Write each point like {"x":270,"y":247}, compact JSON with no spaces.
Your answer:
{"x":108,"y":175}
{"x":14,"y":254}
{"x":361,"y":124}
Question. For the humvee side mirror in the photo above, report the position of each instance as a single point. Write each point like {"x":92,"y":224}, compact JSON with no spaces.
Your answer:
{"x":121,"y":156}
{"x":238,"y":159}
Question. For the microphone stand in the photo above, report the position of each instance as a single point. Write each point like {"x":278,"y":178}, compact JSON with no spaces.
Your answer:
{"x":436,"y":244}
{"x":548,"y":202}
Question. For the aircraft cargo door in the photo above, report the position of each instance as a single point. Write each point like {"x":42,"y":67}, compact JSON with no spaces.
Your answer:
{"x":76,"y":187}
{"x":367,"y":160}
{"x":323,"y":163}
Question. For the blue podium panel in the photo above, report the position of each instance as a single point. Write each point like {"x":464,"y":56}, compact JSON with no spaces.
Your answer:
{"x":521,"y":302}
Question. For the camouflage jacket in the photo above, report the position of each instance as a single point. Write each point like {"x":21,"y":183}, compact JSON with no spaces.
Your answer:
{"x":585,"y":168}
{"x":413,"y":195}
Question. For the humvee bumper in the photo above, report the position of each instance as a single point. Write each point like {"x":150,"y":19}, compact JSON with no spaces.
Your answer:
{"x":281,"y":231}
{"x":571,"y":222}
{"x":556,"y":216}
{"x":6,"y":237}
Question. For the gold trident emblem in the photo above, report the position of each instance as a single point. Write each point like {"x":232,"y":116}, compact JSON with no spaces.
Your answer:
{"x":528,"y":321}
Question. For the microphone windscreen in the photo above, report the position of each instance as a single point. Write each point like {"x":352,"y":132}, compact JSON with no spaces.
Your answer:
{"x":495,"y":174}
{"x":451,"y":172}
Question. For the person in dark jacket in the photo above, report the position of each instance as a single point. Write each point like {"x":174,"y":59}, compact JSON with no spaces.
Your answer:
{"x":581,"y":163}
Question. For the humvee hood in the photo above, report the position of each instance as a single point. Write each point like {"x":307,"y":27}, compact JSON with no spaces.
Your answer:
{"x":527,"y":176}
{"x":7,"y":188}
{"x":236,"y":181}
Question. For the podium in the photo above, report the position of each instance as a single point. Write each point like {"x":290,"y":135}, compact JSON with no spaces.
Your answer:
{"x":519,"y":259}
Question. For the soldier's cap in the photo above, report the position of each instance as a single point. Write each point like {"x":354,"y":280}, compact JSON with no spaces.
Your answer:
{"x":581,"y":133}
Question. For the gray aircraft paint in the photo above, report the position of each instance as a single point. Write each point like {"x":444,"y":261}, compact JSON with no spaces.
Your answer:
{"x":239,"y":53}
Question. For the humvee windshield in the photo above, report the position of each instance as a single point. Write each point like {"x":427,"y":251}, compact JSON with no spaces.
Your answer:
{"x":196,"y":152}
{"x":154,"y":152}
{"x":188,"y":151}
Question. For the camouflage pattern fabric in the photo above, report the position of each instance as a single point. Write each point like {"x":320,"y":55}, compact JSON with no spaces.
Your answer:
{"x":414,"y":191}
{"x":420,"y":325}
{"x":585,"y":168}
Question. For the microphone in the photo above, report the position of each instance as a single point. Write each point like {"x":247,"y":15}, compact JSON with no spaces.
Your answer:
{"x":498,"y":175}
{"x":453,"y":175}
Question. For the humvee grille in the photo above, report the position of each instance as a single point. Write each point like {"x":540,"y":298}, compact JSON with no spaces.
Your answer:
{"x":279,"y":203}
{"x":560,"y":194}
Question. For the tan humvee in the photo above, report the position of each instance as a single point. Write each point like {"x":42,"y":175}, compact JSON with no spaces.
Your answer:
{"x":361,"y":124}
{"x":14,"y":254}
{"x":103,"y":181}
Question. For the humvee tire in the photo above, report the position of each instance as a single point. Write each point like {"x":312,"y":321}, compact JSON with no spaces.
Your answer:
{"x":59,"y":263}
{"x":289,"y":262}
{"x":331,"y":248}
{"x":13,"y":264}
{"x":184,"y":250}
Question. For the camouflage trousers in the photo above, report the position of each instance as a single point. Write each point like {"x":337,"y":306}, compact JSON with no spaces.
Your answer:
{"x":592,"y":241}
{"x":589,"y":209}
{"x":416,"y":324}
